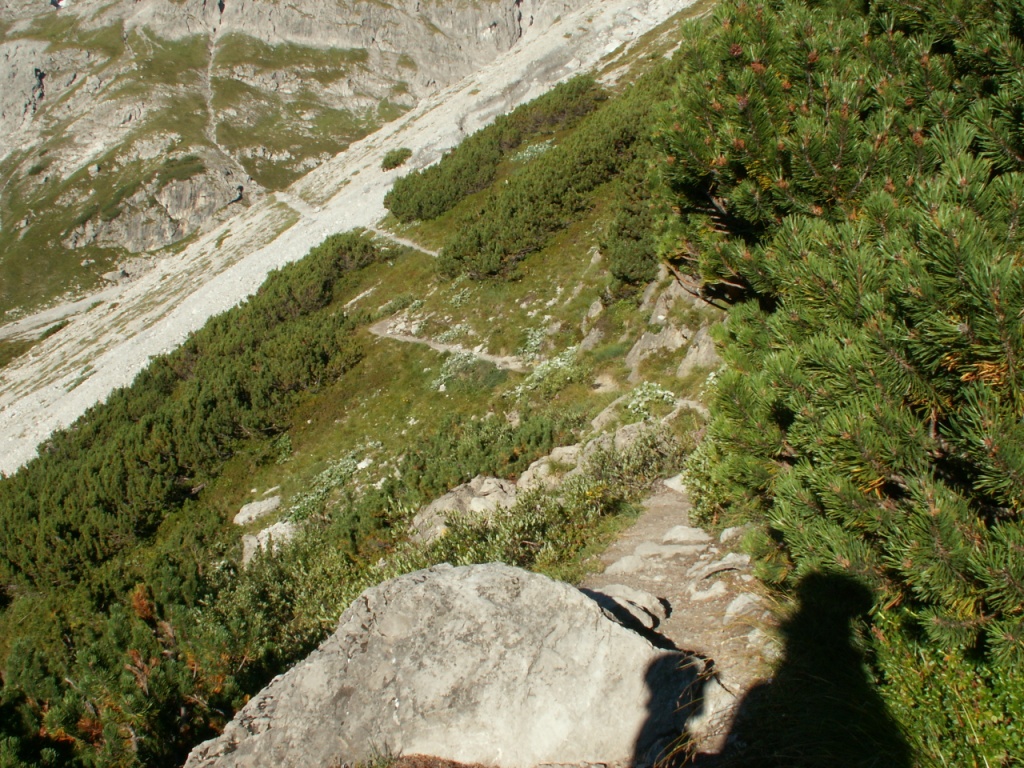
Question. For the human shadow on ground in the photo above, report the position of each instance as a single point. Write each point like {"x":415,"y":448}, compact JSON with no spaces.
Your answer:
{"x":675,"y":682}
{"x":820,"y":709}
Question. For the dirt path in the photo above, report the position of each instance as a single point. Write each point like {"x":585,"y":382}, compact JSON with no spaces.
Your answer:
{"x":403,"y":241}
{"x":507,"y":362}
{"x":700,"y":596}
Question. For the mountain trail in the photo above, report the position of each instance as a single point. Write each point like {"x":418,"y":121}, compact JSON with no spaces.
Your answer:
{"x":382,"y":329}
{"x":700,"y":596}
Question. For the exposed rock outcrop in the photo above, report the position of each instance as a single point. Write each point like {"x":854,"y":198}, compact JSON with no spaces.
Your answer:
{"x":700,"y":355}
{"x":478,"y":499}
{"x":255,"y":510}
{"x":481,"y":664}
{"x":271,"y":538}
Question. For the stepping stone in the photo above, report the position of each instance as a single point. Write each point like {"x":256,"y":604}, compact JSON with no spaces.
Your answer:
{"x":742,"y":605}
{"x":665,"y":551}
{"x":627,"y":564}
{"x":734,"y":561}
{"x":623,"y":602}
{"x":684,"y":534}
{"x":715,"y":590}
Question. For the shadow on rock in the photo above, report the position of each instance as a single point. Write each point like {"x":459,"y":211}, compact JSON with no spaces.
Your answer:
{"x":676,"y":683}
{"x":820,"y":710}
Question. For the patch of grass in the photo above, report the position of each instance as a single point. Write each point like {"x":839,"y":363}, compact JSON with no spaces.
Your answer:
{"x":179,"y":169}
{"x":167,"y":62}
{"x":11,"y":350}
{"x":325,"y":65}
{"x":293,"y":129}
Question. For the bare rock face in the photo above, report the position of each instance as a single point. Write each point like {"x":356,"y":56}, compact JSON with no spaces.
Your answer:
{"x":254,"y":510}
{"x":479,"y":664}
{"x":701,"y":354}
{"x":132,"y":124}
{"x":271,"y":538}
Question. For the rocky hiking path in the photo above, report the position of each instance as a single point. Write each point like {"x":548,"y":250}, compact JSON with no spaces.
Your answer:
{"x":695,"y":591}
{"x":389,"y":329}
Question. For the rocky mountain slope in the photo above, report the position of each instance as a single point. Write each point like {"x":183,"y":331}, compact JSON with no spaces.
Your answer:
{"x":127,"y":126}
{"x":105,"y":347}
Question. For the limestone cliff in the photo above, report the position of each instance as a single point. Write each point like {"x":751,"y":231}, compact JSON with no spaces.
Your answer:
{"x":126,"y":125}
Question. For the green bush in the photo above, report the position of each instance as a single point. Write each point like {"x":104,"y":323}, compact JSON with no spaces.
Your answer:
{"x":393,"y":158}
{"x":548,"y":193}
{"x":855,"y":180}
{"x":471,"y":166}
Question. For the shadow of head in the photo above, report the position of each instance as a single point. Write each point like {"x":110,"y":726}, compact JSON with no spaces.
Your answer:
{"x":820,"y":710}
{"x":675,"y":682}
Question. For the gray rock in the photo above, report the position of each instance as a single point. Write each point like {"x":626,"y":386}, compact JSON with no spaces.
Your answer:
{"x":254,"y":510}
{"x":734,"y":561}
{"x":717,"y":589}
{"x":478,"y":499}
{"x":745,"y":604}
{"x":592,"y":339}
{"x":624,"y":603}
{"x":547,"y":471}
{"x":269,"y":539}
{"x":666,"y":301}
{"x":666,"y":551}
{"x":593,"y":312}
{"x":627,"y":435}
{"x":675,"y":483}
{"x":670,"y":337}
{"x":480,"y":664}
{"x":716,"y":712}
{"x":627,"y":564}
{"x":701,"y":354}
{"x":684,"y":534}
{"x":606,"y":417}
{"x":731,"y":534}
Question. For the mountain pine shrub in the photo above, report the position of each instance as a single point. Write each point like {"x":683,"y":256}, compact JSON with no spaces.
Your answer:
{"x":854,"y":182}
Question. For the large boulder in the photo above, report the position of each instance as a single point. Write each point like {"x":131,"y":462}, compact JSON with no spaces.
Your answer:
{"x":479,"y":664}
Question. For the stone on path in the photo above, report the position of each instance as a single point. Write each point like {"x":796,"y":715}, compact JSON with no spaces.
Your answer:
{"x":627,"y":564}
{"x":684,"y":534}
{"x":744,"y":604}
{"x":665,"y":551}
{"x":717,"y":589}
{"x":479,"y":664}
{"x":621,"y":601}
{"x":734,"y":561}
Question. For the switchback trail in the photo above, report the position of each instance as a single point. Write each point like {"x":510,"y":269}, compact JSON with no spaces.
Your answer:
{"x":506,"y":362}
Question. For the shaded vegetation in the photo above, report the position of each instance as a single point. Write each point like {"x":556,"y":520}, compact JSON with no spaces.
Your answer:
{"x":853,"y":180}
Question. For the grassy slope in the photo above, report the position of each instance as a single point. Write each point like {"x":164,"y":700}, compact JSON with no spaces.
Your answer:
{"x":380,"y":410}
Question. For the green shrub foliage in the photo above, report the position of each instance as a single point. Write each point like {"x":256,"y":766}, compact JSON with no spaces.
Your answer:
{"x":106,"y":549}
{"x":547,"y":194}
{"x":394,"y":158}
{"x":855,"y":180}
{"x":473,"y":165}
